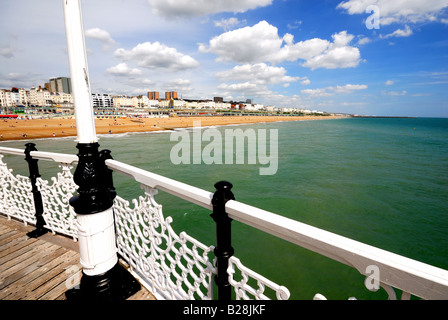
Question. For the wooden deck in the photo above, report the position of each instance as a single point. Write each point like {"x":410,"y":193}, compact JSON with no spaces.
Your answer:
{"x":39,"y":269}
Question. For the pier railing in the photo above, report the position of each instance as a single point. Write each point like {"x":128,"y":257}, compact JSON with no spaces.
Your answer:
{"x":177,"y":266}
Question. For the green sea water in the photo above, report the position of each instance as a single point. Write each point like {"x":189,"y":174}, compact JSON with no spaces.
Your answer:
{"x":380,"y":181}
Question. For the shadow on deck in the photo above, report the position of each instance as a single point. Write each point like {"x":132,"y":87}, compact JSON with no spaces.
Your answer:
{"x":39,"y":269}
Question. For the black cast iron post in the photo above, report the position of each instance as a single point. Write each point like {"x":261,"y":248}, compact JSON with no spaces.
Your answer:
{"x":223,"y":250}
{"x":38,"y":204}
{"x":96,"y":194}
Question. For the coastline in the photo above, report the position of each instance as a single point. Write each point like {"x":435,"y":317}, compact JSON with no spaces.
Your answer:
{"x":18,"y":129}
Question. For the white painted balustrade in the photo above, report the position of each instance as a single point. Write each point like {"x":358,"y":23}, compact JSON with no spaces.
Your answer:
{"x":177,"y":266}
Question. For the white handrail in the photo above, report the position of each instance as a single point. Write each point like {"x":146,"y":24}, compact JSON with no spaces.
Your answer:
{"x":50,"y":156}
{"x":393,"y":267}
{"x":412,"y":276}
{"x":406,"y":274}
{"x":13,"y":151}
{"x":56,"y":157}
{"x":184,"y":191}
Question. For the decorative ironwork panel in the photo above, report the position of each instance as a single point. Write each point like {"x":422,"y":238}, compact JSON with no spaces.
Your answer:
{"x":252,"y":285}
{"x":58,"y":214}
{"x":174,"y":266}
{"x":16,"y":198}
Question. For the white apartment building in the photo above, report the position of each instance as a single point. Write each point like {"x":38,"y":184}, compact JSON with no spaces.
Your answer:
{"x":61,"y":98}
{"x":206,"y":105}
{"x":222,"y":106}
{"x":6,"y":98}
{"x":176,"y":103}
{"x":39,"y":97}
{"x":123,"y":101}
{"x":23,"y":97}
{"x":3,"y":98}
{"x":102,"y":100}
{"x":153,"y":103}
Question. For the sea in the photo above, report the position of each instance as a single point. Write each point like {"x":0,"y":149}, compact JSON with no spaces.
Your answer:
{"x":380,"y":181}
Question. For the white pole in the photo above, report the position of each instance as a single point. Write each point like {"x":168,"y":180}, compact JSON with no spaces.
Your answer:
{"x":103,"y":277}
{"x":85,"y":122}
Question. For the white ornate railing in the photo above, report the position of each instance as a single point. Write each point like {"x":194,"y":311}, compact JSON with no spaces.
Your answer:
{"x":164,"y":259}
{"x":177,"y":266}
{"x":172,"y":266}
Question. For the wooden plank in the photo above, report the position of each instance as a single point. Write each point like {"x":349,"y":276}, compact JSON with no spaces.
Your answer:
{"x":50,"y":279}
{"x":40,"y":269}
{"x":15,"y":245}
{"x":6,"y":235}
{"x":33,"y":280}
{"x":17,"y":249}
{"x":24,"y":278}
{"x":26,"y":256}
{"x":20,"y":267}
{"x":58,"y":292}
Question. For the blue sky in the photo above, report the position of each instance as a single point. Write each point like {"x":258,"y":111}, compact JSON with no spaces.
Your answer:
{"x":319,"y":55}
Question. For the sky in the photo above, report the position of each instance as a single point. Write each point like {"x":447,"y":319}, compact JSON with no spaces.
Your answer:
{"x":366,"y":57}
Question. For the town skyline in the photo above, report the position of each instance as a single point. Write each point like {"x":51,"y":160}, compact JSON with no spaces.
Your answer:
{"x":61,"y":96}
{"x":370,"y":57}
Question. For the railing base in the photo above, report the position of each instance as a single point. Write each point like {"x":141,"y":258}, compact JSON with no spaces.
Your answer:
{"x":37,"y":233}
{"x":113,"y":285}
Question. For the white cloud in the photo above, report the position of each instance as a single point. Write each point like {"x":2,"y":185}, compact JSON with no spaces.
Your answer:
{"x":294,"y":25}
{"x":245,"y":45}
{"x":389,"y":83}
{"x":179,"y":85}
{"x":99,"y":34}
{"x":194,"y":8}
{"x":305,"y":82}
{"x":348,"y":88}
{"x":397,"y":11}
{"x":338,"y":54}
{"x":7,"y":52}
{"x":395,"y":93}
{"x":245,"y":86}
{"x":398,"y":33}
{"x":330,"y":91}
{"x":228,"y":24}
{"x":154,"y":55}
{"x":261,"y":43}
{"x":317,"y":92}
{"x":253,"y":81}
{"x":363,"y":40}
{"x":244,"y":90}
{"x":257,"y":73}
{"x":123,"y":70}
{"x":20,"y":80}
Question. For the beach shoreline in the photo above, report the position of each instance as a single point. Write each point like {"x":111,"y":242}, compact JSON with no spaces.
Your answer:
{"x":27,"y":129}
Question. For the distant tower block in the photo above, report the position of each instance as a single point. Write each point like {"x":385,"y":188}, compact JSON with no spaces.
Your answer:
{"x":153,"y":95}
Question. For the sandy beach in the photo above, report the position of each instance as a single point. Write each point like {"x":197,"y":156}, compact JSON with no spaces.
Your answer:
{"x":15,"y":129}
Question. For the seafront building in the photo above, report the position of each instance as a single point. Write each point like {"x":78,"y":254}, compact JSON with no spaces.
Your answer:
{"x":56,"y":98}
{"x":61,"y":84}
{"x":102,"y":100}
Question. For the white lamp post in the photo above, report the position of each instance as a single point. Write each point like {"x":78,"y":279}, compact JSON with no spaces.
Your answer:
{"x":103,"y":277}
{"x":79,"y":72}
